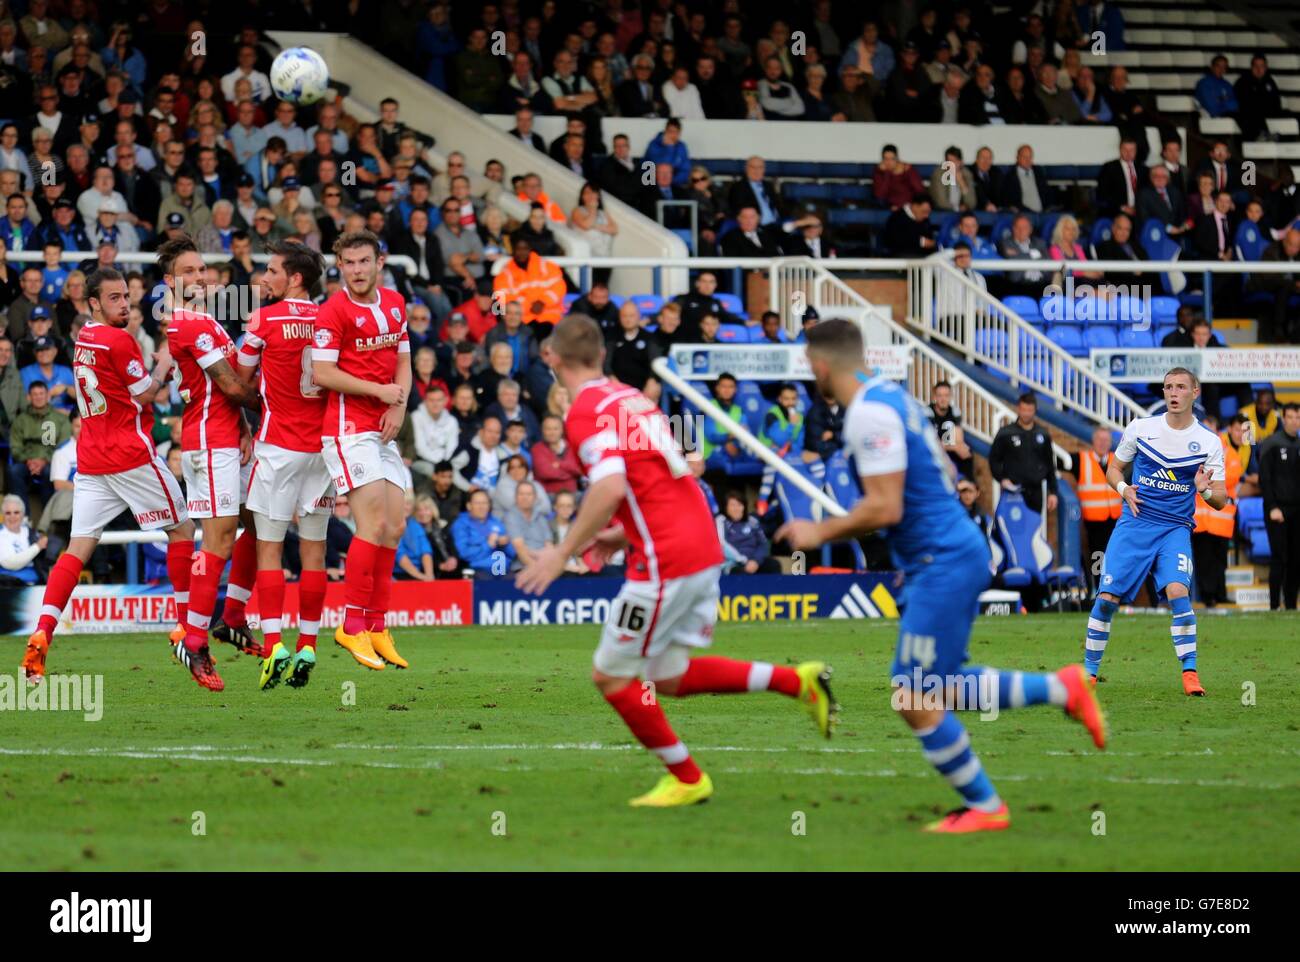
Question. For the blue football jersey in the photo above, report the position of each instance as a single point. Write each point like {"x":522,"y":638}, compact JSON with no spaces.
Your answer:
{"x":886,"y":431}
{"x":1165,"y":462}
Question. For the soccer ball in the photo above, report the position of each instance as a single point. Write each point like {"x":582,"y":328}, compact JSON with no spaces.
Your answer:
{"x":299,"y":75}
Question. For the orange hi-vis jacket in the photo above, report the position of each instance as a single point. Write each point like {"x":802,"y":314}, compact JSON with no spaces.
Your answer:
{"x":1098,"y":499}
{"x":1221,"y":523}
{"x":541,"y":280}
{"x":553,"y":210}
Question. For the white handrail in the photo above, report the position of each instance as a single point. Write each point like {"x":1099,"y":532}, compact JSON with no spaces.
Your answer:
{"x":948,"y":307}
{"x":140,"y":257}
{"x":983,"y":413}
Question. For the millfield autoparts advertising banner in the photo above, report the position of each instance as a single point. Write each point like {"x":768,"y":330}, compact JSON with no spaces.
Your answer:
{"x":99,"y":609}
{"x":1228,"y":364}
{"x":772,"y":362}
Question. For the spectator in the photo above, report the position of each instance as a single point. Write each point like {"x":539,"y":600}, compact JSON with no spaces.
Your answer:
{"x":595,"y":225}
{"x":1066,"y":246}
{"x":57,"y":378}
{"x":741,"y":534}
{"x":566,"y":506}
{"x":514,"y":445}
{"x":1213,"y":92}
{"x":1214,"y":236}
{"x":947,"y":424}
{"x":906,"y":87}
{"x":1021,"y":457}
{"x":1093,"y":106}
{"x":816,"y":98}
{"x":749,"y":238}
{"x":475,"y":462}
{"x":522,"y":91}
{"x":481,"y":540}
{"x":448,"y":499}
{"x":669,"y":148}
{"x":526,"y":524}
{"x":511,"y":330}
{"x":476,"y":74}
{"x":1119,"y":181}
{"x":508,"y":409}
{"x":602,"y":83}
{"x":637,"y":96}
{"x":461,"y":249}
{"x":1019,"y":105}
{"x":908,"y":231}
{"x":719,"y":451}
{"x":776,"y":95}
{"x":414,"y":558}
{"x":1161,"y":202}
{"x":1059,"y":105}
{"x":951,"y":186}
{"x":1276,"y":323}
{"x":871,"y":55}
{"x":968,"y":493}
{"x":756,"y":191}
{"x":597,"y":305}
{"x":1258,"y":99}
{"x":1120,"y":247}
{"x":823,"y":429}
{"x":62,"y":229}
{"x":1263,"y":416}
{"x":981,"y":100}
{"x":1279,"y":481}
{"x":19,"y":545}
{"x":894,"y":183}
{"x":445,"y":562}
{"x":681,"y":97}
{"x":1099,"y":502}
{"x":555,"y":464}
{"x":30,"y":282}
{"x":569,"y":92}
{"x":854,"y":100}
{"x":1025,"y":186}
{"x":246,"y":70}
{"x":36,"y":432}
{"x":535,"y":283}
{"x":620,"y":175}
{"x":630,"y":350}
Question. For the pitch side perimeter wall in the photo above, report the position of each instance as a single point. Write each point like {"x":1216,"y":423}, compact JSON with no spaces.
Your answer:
{"x":102,"y":609}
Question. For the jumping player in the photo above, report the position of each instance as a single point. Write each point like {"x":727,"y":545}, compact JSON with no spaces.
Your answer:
{"x":289,"y":476}
{"x":944,"y":558}
{"x":117,"y":466}
{"x":669,"y":603}
{"x":1174,"y":458}
{"x":217,"y":448}
{"x":362,"y":358}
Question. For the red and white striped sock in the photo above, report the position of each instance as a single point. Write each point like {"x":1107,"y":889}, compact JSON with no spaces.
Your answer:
{"x":58,"y":589}
{"x":243,"y":573}
{"x":205,"y":578}
{"x":311,"y":603}
{"x":713,"y":674}
{"x":180,"y":556}
{"x":358,"y":584}
{"x":270,"y":604}
{"x":380,"y":595}
{"x":647,"y":722}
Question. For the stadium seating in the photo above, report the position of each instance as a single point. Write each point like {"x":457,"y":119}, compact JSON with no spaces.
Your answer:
{"x":1027,"y":555}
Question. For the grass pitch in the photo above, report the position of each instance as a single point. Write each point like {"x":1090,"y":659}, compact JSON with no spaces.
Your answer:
{"x":495,"y":752}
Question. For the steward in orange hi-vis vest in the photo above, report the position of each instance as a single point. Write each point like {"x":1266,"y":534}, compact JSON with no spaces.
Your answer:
{"x":1221,"y":523}
{"x":1098,"y":499}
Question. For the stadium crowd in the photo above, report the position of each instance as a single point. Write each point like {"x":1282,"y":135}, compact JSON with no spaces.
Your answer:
{"x":117,"y":131}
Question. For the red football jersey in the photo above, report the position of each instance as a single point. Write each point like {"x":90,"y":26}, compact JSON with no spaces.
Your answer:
{"x":618,"y":430}
{"x":211,"y":420}
{"x":293,"y":407}
{"x":116,"y":429}
{"x":366,"y":341}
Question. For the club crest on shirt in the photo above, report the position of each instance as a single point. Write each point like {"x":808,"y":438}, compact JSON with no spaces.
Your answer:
{"x":135,"y":368}
{"x":361,"y":320}
{"x":397,"y":314}
{"x":204,"y":342}
{"x":1194,"y":446}
{"x":322,"y":338}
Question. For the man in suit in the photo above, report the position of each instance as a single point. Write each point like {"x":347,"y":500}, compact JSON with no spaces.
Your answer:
{"x":1120,"y":247}
{"x":1227,"y":175}
{"x":806,"y":238}
{"x":1129,"y":113}
{"x":753,"y":190}
{"x":1024,"y":244}
{"x":620,"y":174}
{"x":1213,"y":235}
{"x":980,"y":101}
{"x":1119,"y":181}
{"x":908,"y":232}
{"x":674,"y":218}
{"x":524,"y":129}
{"x":1171,"y":156}
{"x":750,"y":238}
{"x":986,"y":180}
{"x":637,"y":96}
{"x":1160,"y":201}
{"x":1025,"y":187}
{"x":951,"y":185}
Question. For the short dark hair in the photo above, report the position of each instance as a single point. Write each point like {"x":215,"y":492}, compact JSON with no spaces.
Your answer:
{"x":172,"y":249}
{"x":835,"y":338}
{"x":98,"y":278}
{"x":1290,"y":406}
{"x":37,"y":383}
{"x":357,"y":238}
{"x":939,"y":384}
{"x":725,"y":376}
{"x":298,"y":258}
{"x":442,"y":466}
{"x":1029,"y":397}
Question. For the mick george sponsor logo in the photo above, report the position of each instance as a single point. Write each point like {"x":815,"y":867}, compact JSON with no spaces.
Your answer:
{"x":78,"y":916}
{"x":83,"y":693}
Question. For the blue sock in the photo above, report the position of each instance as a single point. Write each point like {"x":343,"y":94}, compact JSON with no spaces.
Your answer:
{"x":947,"y":746}
{"x":1098,"y":634}
{"x":1183,"y":631}
{"x":1013,"y":689}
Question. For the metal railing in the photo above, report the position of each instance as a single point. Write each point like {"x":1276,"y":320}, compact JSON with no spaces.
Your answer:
{"x":950,"y":308}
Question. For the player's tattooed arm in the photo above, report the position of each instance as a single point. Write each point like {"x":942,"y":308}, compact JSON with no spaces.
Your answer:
{"x":232,"y":385}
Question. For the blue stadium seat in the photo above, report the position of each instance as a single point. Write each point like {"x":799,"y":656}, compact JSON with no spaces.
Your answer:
{"x":1251,"y":241}
{"x":1047,"y":224}
{"x":733,"y":334}
{"x":648,"y":304}
{"x":568,"y":301}
{"x":1101,"y":336}
{"x":752,"y":402}
{"x":1026,"y":307}
{"x":1100,"y":232}
{"x":732,"y":303}
{"x":949,"y":230}
{"x":1001,"y":229}
{"x":1162,"y":331}
{"x":1027,"y":553}
{"x":1250,"y":525}
{"x":1164,"y":309}
{"x":850,"y":193}
{"x":1132,"y":338}
{"x":1068,"y":337}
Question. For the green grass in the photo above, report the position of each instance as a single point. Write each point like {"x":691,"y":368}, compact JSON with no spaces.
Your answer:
{"x":504,"y":720}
